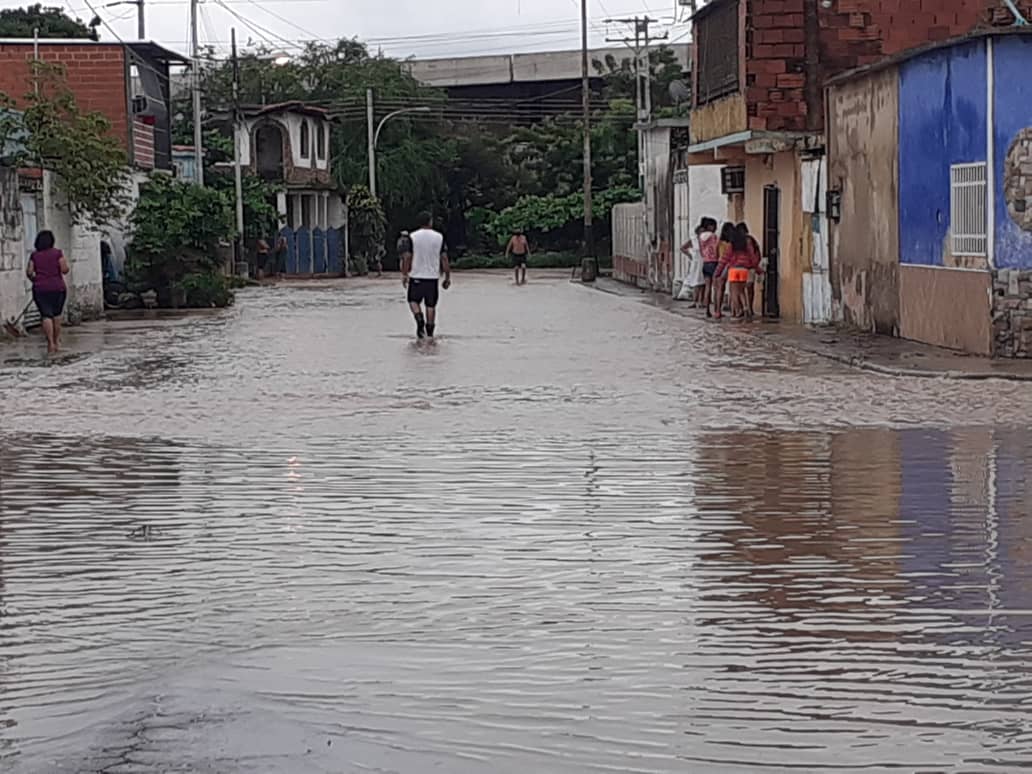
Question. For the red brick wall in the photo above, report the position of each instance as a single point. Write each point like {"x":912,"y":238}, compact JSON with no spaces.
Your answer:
{"x":95,"y":74}
{"x":143,"y":144}
{"x":851,"y":33}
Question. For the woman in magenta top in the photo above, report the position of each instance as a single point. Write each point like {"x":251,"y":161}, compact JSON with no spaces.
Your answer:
{"x":47,"y":267}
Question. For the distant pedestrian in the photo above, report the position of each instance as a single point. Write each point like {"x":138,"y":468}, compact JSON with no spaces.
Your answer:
{"x":421,"y":272}
{"x":47,"y":267}
{"x":262,"y":257}
{"x":404,"y":246}
{"x":281,"y":255}
{"x":754,"y":274}
{"x":519,"y":249}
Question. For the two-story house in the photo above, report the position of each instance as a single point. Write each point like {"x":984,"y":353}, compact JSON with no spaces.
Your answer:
{"x":758,"y":108}
{"x":289,"y":144}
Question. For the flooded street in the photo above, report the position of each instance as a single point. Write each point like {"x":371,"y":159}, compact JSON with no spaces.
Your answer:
{"x":577,"y":535}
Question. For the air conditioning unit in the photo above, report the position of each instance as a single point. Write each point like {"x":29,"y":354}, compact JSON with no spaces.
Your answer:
{"x":732,"y":180}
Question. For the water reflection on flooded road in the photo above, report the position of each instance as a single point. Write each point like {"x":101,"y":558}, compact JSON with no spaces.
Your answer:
{"x":576,"y":536}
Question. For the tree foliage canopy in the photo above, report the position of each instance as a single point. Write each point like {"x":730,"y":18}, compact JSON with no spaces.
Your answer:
{"x":51,"y":22}
{"x":460,"y":169}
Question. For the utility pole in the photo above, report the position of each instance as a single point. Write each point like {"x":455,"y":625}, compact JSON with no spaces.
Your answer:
{"x":238,"y":174}
{"x":195,"y":57}
{"x":640,"y":43}
{"x":589,"y":237}
{"x":141,"y":23}
{"x":371,"y":131}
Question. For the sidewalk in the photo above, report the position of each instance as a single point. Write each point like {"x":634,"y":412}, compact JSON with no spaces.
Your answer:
{"x":866,"y":351}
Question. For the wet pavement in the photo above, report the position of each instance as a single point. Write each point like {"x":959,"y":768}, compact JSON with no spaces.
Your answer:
{"x":579,"y":534}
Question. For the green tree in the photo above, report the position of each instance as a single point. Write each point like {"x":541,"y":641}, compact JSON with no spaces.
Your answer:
{"x":366,"y":224}
{"x":50,"y":22}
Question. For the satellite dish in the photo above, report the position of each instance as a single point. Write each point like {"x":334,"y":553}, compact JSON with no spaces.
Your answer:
{"x":680,"y":92}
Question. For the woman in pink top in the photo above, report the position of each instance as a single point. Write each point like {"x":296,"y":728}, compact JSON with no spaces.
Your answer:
{"x":47,"y":267}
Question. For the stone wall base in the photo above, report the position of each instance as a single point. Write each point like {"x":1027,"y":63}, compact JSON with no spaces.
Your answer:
{"x":1012,"y":313}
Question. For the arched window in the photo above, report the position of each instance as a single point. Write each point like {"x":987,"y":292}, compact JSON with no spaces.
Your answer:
{"x":306,"y":140}
{"x":320,"y":140}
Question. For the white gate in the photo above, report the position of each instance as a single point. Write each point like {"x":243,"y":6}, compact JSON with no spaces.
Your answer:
{"x":682,"y":224}
{"x":817,"y":300}
{"x":30,"y":227}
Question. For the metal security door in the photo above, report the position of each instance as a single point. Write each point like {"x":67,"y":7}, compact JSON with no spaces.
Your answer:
{"x":771,"y":248}
{"x":682,"y":224}
{"x":30,"y":226}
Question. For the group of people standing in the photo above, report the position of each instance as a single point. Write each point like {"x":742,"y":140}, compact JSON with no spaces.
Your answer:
{"x":722,"y":265}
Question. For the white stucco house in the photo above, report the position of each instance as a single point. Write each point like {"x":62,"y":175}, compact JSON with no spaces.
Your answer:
{"x":289,"y":144}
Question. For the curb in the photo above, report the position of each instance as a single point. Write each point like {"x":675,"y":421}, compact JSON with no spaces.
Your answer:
{"x":853,"y":361}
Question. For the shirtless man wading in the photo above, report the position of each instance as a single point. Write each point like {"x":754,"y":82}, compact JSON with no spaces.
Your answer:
{"x":421,"y":271}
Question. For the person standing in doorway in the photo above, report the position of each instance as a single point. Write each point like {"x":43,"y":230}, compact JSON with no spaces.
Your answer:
{"x":47,"y":267}
{"x":754,"y":273}
{"x":421,"y":271}
{"x":519,"y":249}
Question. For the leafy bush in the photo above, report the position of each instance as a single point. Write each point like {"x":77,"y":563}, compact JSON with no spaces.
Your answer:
{"x":176,"y":231}
{"x":544,"y":260}
{"x":359,"y":266}
{"x":205,"y":290}
{"x":542,"y":216}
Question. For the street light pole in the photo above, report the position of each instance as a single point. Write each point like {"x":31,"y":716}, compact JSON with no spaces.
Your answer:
{"x":195,"y":57}
{"x":371,"y":139}
{"x":238,"y":174}
{"x":374,"y":133}
{"x":589,"y":240}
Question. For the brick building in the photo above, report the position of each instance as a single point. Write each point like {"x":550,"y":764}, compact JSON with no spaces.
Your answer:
{"x":759,"y":73}
{"x":128,"y":83}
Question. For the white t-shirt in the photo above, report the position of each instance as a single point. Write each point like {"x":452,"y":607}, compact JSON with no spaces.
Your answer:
{"x":427,"y":246}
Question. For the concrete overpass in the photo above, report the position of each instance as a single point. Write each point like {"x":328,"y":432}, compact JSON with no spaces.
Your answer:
{"x":552,"y":67}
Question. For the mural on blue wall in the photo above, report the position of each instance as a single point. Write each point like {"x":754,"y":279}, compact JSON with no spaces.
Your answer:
{"x":1013,"y":162}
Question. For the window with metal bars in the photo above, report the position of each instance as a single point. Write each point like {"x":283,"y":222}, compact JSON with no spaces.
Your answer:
{"x":717,"y":41}
{"x":968,"y":220}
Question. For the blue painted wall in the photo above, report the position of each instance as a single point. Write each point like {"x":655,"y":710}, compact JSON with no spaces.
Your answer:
{"x":942,"y":121}
{"x":1013,"y":108}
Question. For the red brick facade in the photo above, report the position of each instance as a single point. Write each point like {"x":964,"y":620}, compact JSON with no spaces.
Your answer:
{"x":143,"y":144}
{"x":791,"y":47}
{"x":95,"y":72}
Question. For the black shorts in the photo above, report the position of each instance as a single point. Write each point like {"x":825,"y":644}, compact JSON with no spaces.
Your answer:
{"x":709,"y":269}
{"x":50,"y":303}
{"x":519,"y":261}
{"x":424,"y":291}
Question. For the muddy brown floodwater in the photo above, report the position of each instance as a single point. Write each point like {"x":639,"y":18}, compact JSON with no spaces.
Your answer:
{"x":578,"y":535}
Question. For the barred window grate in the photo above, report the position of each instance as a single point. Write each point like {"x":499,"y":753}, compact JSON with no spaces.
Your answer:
{"x":718,"y":45}
{"x":968,"y":217}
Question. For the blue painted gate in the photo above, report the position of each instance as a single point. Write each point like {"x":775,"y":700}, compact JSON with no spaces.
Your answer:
{"x":313,"y":252}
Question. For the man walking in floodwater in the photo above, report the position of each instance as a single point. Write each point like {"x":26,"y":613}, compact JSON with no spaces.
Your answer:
{"x":421,"y":271}
{"x":519,"y":249}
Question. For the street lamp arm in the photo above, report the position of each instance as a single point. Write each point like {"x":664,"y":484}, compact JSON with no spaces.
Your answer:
{"x":395,"y":114}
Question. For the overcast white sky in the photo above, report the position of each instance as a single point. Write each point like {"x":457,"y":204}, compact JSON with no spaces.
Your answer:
{"x":403,"y":28}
